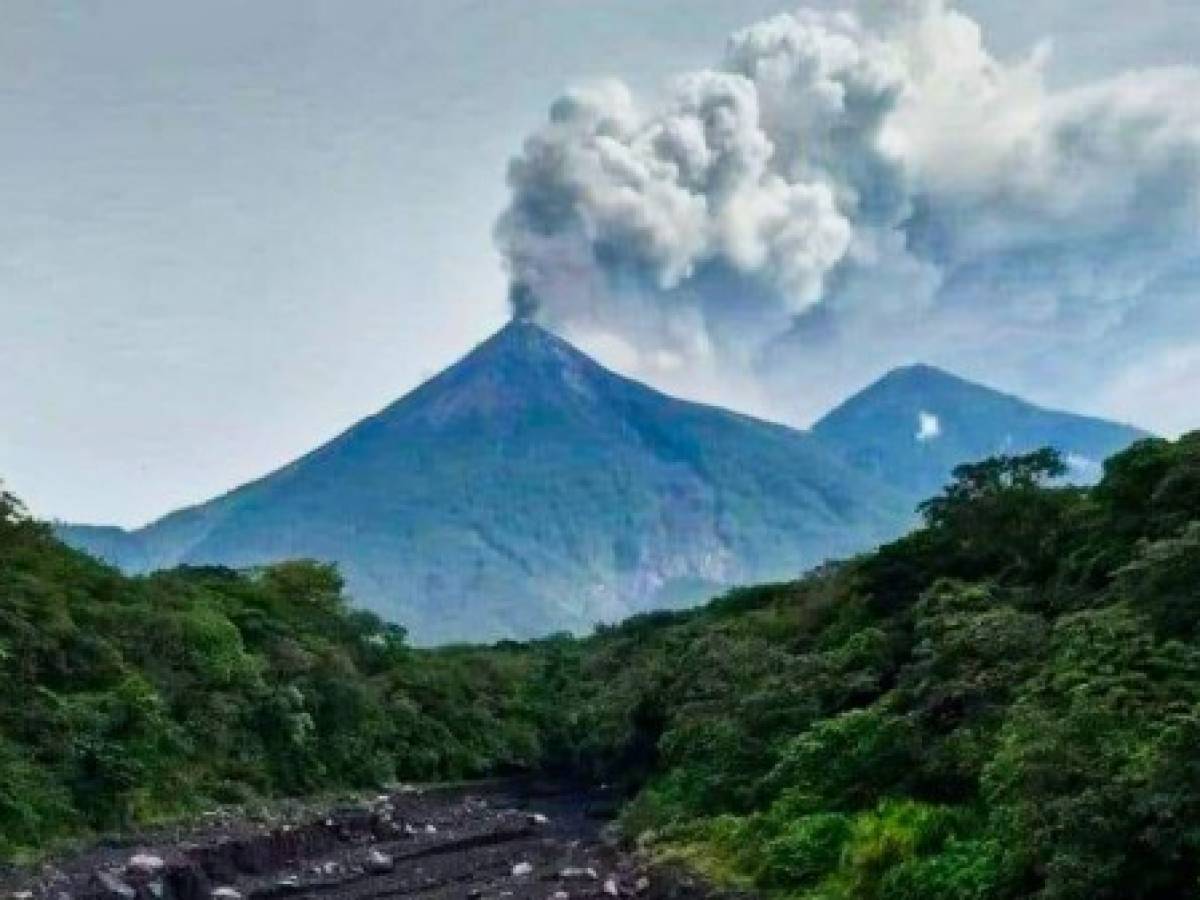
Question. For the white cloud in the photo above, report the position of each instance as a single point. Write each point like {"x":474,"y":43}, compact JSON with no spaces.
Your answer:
{"x":1083,"y":469}
{"x":1166,"y":384}
{"x":876,"y":179}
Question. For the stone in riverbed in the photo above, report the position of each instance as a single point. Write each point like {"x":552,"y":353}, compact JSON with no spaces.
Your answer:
{"x":379,"y":863}
{"x":114,"y":887}
{"x":145,"y":864}
{"x":288,"y":884}
{"x":574,"y":873}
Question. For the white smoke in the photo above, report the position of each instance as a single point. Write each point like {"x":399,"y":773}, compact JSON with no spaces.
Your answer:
{"x":876,"y":179}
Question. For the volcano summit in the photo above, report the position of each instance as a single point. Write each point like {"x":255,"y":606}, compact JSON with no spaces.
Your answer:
{"x":527,"y":489}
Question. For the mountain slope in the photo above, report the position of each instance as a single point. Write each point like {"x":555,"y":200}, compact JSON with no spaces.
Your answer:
{"x":526,"y":489}
{"x":914,"y":425}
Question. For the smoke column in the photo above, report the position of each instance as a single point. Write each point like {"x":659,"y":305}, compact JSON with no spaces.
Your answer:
{"x":847,"y":191}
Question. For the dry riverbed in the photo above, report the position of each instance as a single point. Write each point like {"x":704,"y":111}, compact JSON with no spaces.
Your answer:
{"x":496,"y":842}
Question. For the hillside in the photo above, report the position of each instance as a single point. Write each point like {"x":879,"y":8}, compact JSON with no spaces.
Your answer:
{"x":914,"y":425}
{"x":126,"y":700}
{"x":527,"y":490}
{"x":1002,"y":705}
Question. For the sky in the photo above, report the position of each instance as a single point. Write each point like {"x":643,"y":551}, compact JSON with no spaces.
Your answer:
{"x":229,"y":230}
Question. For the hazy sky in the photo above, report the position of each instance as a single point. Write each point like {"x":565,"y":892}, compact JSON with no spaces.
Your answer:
{"x":230,"y":229}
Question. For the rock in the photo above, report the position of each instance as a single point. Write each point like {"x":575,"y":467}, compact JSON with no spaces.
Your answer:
{"x":611,"y":887}
{"x":226,"y":893}
{"x":378,"y":863}
{"x":145,"y":864}
{"x":521,"y":869}
{"x":115,"y":887}
{"x":641,"y":885}
{"x":578,"y":873}
{"x":538,"y":819}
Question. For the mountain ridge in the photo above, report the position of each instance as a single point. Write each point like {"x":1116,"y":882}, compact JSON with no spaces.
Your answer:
{"x":528,"y":489}
{"x":914,"y":424}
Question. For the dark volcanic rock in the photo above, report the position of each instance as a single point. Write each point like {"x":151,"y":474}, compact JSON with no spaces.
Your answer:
{"x":505,"y":847}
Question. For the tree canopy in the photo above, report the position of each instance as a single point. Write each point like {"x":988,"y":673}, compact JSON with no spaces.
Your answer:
{"x":1003,"y":704}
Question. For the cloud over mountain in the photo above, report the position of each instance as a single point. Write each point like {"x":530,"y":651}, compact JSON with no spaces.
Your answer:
{"x":874,"y":177}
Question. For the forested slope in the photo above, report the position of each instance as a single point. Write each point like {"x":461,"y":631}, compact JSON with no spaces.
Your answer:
{"x":123,"y":700}
{"x":1005,"y":703}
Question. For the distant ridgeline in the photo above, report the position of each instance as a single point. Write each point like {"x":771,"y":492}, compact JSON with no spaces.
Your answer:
{"x":527,"y":490}
{"x":1003,"y":704}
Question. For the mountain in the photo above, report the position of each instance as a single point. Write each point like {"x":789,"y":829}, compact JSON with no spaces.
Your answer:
{"x":914,"y":425}
{"x":526,"y":489}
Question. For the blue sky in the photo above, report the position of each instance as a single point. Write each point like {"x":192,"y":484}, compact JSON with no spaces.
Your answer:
{"x":231,"y":229}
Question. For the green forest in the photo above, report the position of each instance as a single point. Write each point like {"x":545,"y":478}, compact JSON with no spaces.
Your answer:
{"x":1003,"y":704}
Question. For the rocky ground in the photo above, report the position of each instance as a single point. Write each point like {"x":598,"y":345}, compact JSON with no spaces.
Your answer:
{"x":486,"y":843}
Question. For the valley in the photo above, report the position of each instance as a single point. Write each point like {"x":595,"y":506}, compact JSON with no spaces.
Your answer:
{"x":1004,"y":703}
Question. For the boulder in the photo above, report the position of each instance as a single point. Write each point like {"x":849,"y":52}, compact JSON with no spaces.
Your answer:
{"x":578,"y":873}
{"x":145,"y":864}
{"x":379,"y":863}
{"x":113,"y":887}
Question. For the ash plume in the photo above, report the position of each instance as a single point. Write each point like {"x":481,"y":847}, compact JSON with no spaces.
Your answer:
{"x":846,"y":191}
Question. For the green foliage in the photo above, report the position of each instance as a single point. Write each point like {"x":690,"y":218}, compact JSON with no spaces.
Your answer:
{"x":808,"y":849}
{"x":845,"y":762}
{"x":1004,"y":704}
{"x":127,"y":700}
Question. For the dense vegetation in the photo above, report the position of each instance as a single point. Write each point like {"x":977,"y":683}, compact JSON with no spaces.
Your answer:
{"x":1005,"y":703}
{"x":124,"y":700}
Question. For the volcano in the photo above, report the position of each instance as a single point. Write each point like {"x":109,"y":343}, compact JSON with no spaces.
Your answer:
{"x":914,"y":425}
{"x":527,"y":490}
